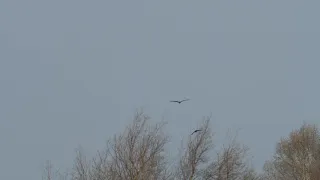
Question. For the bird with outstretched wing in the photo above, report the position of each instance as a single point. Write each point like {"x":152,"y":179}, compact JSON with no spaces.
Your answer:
{"x":196,"y":131}
{"x":180,"y":101}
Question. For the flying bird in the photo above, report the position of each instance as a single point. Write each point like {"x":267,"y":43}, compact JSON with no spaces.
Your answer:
{"x":196,"y":131}
{"x":180,"y":101}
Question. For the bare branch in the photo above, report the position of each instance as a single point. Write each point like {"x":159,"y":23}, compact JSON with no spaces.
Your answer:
{"x":51,"y":174}
{"x":81,"y":166}
{"x":138,"y":153}
{"x":230,"y":164}
{"x":297,"y":156}
{"x":195,"y":155}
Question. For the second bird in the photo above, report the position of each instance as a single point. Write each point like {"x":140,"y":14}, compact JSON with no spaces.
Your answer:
{"x":196,"y":131}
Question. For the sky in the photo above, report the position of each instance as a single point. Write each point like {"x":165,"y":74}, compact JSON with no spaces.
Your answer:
{"x":74,"y":73}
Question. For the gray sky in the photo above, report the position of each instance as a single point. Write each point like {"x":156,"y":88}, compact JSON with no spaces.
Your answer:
{"x":73,"y":72}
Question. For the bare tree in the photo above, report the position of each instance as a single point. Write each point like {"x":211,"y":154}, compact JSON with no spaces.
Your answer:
{"x":100,"y":168}
{"x":297,"y":157}
{"x":315,"y":170}
{"x":47,"y":174}
{"x":196,"y":153}
{"x":138,"y":153}
{"x":270,"y":172}
{"x":230,"y":164}
{"x":81,"y":170}
{"x":50,"y":173}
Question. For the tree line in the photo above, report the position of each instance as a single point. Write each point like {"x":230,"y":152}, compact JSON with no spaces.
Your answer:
{"x":139,"y":153}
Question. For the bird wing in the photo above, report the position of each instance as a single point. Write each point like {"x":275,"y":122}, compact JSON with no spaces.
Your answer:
{"x":174,"y":101}
{"x":196,"y":131}
{"x":185,"y":100}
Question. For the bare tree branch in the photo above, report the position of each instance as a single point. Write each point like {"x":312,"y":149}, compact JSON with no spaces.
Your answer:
{"x":81,"y":166}
{"x":230,"y":163}
{"x":297,"y":156}
{"x":195,"y":155}
{"x":51,"y":174}
{"x":138,"y":153}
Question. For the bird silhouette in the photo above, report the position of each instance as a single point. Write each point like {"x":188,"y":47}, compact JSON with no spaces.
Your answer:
{"x":196,"y":131}
{"x":180,"y":101}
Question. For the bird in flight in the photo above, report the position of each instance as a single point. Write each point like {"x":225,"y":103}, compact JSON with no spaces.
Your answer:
{"x":196,"y":131}
{"x":180,"y":101}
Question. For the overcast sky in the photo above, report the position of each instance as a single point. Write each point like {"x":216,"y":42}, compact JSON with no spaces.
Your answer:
{"x":73,"y":72}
